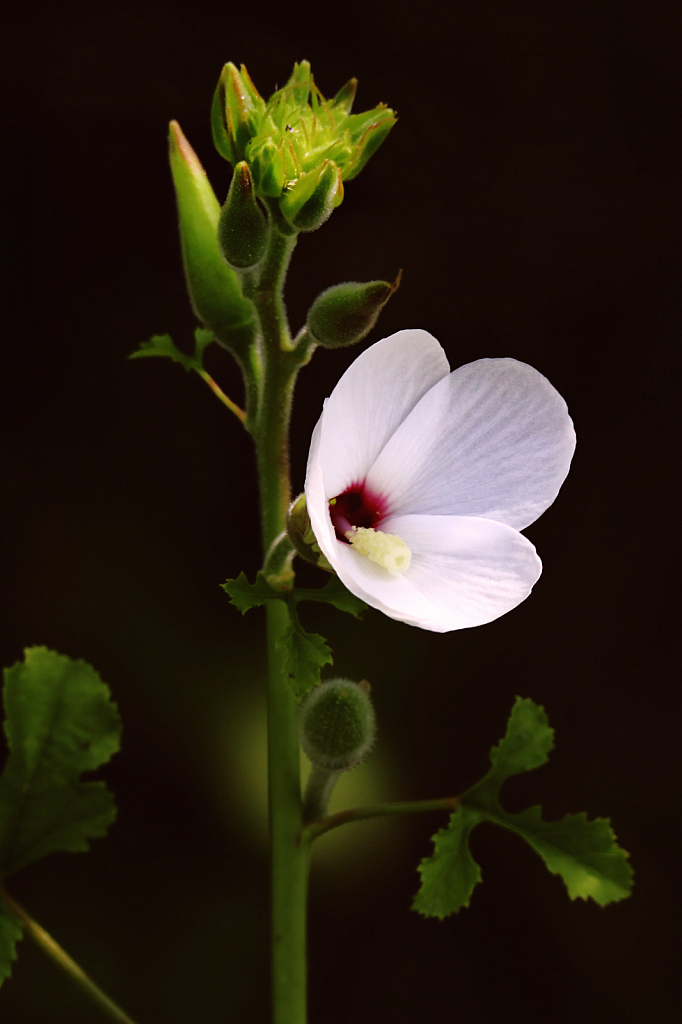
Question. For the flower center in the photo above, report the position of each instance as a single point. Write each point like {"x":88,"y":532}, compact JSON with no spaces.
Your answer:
{"x":355,"y":516}
{"x":357,"y":506}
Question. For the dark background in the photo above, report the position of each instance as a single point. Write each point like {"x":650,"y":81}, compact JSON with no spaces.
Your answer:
{"x":530,"y":195}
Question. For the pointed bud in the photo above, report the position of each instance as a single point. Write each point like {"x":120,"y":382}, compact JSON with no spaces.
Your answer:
{"x":344,"y":314}
{"x":213,"y":287}
{"x":337,"y":725}
{"x":309,"y":203}
{"x":242,"y":228}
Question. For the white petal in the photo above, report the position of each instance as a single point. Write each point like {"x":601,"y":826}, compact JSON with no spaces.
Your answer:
{"x":493,"y":439}
{"x":371,"y":400}
{"x":471,"y":570}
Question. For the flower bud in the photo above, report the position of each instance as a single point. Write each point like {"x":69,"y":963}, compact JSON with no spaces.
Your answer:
{"x":301,"y":534}
{"x":309,"y":202}
{"x":293,"y":135}
{"x":344,"y":314}
{"x":337,"y":725}
{"x":213,"y":287}
{"x":242,"y":228}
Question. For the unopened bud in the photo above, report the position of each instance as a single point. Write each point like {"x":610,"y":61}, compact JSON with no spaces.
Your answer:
{"x":337,"y":725}
{"x":344,"y":314}
{"x":309,"y":203}
{"x":242,"y":228}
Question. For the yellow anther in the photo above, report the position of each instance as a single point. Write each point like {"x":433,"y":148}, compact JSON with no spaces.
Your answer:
{"x":384,"y":549}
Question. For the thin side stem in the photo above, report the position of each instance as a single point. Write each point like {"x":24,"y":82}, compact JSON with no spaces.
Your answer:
{"x":218,"y":391}
{"x":62,"y":958}
{"x":318,"y":828}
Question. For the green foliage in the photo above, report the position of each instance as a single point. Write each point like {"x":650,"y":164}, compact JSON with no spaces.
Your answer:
{"x":244,"y":595}
{"x":583,"y":853}
{"x":163,"y":345}
{"x":10,"y":933}
{"x":60,"y":722}
{"x":304,"y":653}
{"x":334,"y":593}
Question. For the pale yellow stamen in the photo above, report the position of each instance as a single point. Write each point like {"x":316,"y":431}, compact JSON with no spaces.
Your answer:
{"x":384,"y":549}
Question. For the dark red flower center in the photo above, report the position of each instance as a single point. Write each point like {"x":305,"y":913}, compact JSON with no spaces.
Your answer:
{"x":357,"y":506}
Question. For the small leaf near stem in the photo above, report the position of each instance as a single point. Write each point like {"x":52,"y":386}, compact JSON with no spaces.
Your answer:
{"x":67,"y":964}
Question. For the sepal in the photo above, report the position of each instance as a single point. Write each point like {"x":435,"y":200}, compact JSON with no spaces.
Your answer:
{"x":308,"y":203}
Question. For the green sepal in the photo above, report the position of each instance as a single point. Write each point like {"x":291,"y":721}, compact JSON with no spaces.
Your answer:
{"x":221,"y":136}
{"x":309,"y":203}
{"x":345,"y":97}
{"x":243,"y":108}
{"x":345,"y":313}
{"x":11,"y":932}
{"x":163,"y":345}
{"x":583,"y":853}
{"x":214,"y":288}
{"x":242,"y":227}
{"x":60,"y":722}
{"x":367,"y":132}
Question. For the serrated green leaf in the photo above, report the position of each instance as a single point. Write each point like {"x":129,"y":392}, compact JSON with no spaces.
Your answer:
{"x":10,"y":933}
{"x":584,"y":853}
{"x":304,"y":656}
{"x":449,"y":876}
{"x":60,"y":722}
{"x":334,"y":593}
{"x":244,"y":595}
{"x":527,"y":741}
{"x":163,"y":345}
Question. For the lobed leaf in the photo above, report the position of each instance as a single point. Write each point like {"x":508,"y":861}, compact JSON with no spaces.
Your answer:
{"x":163,"y":345}
{"x":304,"y":656}
{"x":583,"y":853}
{"x":450,"y":876}
{"x":60,"y":722}
{"x":333,"y":592}
{"x":244,"y":595}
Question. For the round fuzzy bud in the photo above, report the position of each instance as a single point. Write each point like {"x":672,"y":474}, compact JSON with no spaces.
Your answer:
{"x":337,"y":725}
{"x":344,"y":314}
{"x":242,"y":228}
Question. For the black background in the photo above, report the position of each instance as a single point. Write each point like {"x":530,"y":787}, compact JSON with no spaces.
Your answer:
{"x":530,"y":195}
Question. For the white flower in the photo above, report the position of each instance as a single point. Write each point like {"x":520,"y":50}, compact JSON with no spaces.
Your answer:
{"x":419,"y":480}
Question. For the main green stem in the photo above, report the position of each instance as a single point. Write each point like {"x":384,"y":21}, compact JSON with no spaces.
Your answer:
{"x":289,"y":852}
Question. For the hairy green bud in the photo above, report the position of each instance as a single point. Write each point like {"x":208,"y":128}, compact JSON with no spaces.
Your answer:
{"x":242,"y":228}
{"x":344,"y":314}
{"x":337,"y":725}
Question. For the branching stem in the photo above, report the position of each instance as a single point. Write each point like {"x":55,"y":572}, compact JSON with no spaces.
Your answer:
{"x":318,"y":828}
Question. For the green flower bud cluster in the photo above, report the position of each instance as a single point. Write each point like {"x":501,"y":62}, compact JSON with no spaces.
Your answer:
{"x":299,"y":147}
{"x":337,"y":725}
